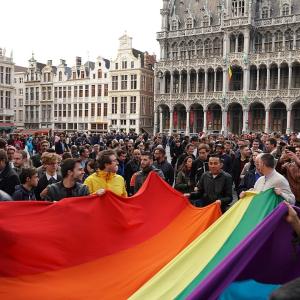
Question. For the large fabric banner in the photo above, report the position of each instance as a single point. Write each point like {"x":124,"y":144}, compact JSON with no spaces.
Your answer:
{"x":95,"y":247}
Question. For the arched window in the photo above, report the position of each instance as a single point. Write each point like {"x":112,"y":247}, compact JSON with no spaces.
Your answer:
{"x":265,"y":13}
{"x":217,"y":47}
{"x":182,"y":50}
{"x":199,"y":48}
{"x":189,"y":23}
{"x":232,"y":43}
{"x":191,"y":49}
{"x":268,"y":42}
{"x":289,"y":39}
{"x":60,"y":76}
{"x":241,"y":43}
{"x":278,"y":40}
{"x":206,"y":21}
{"x":208,"y":47}
{"x":174,"y":51}
{"x":285,"y":10}
{"x":258,"y":42}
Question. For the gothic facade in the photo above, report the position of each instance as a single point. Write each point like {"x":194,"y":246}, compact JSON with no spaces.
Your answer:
{"x":228,"y":66}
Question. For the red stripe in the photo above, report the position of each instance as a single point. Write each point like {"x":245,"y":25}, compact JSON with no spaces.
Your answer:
{"x":38,"y":237}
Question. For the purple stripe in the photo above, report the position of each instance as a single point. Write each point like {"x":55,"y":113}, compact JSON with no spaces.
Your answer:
{"x":260,"y":256}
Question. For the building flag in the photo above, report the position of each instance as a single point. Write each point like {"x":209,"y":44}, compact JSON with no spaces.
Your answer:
{"x":230,"y":72}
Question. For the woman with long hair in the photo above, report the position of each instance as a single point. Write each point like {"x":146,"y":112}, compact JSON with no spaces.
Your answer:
{"x":183,"y":179}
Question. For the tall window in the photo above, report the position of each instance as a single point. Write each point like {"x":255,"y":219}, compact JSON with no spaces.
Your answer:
{"x":199,"y":48}
{"x":258,"y":43}
{"x":238,"y":8}
{"x":268,"y":42}
{"x":174,"y":26}
{"x":298,"y":39}
{"x":217,"y":47}
{"x":105,"y":90}
{"x":105,"y":110}
{"x":75,"y":110}
{"x":174,"y":51}
{"x":75,"y":91}
{"x":99,"y":90}
{"x":208,"y":47}
{"x":285,"y":10}
{"x":8,"y":76}
{"x":189,"y":23}
{"x":93,"y":91}
{"x":81,"y":91}
{"x":114,"y":83}
{"x":7,"y":100}
{"x":69,"y":92}
{"x":1,"y":75}
{"x":133,"y":82}
{"x":123,"y":105}
{"x":99,"y":73}
{"x":65,"y":92}
{"x":265,"y":13}
{"x":99,"y":109}
{"x":124,"y":82}
{"x":289,"y":40}
{"x":133,"y":105}
{"x":278,"y":40}
{"x":86,"y":91}
{"x":60,"y":76}
{"x":114,"y":105}
{"x":86,"y":109}
{"x":124,"y":64}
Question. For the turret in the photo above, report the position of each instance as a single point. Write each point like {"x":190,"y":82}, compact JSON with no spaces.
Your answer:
{"x":165,"y":15}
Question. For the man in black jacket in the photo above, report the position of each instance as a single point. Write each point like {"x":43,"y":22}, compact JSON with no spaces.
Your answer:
{"x":8,"y":177}
{"x":200,"y":165}
{"x":132,"y":167}
{"x":162,"y":164}
{"x":72,"y":172}
{"x":213,"y":185}
{"x":147,"y":167}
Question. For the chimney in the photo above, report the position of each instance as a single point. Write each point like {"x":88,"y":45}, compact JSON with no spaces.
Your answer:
{"x":78,"y":61}
{"x":49,"y":62}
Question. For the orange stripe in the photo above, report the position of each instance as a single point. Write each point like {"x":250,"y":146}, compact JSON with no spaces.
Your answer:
{"x":116,"y":276}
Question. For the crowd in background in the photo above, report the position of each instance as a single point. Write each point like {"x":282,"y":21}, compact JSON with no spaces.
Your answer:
{"x":205,"y":168}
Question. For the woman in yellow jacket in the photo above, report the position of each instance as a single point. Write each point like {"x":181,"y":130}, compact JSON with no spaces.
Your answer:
{"x":106,"y":177}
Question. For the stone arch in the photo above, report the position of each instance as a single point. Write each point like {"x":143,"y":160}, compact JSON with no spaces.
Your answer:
{"x":179,"y":117}
{"x":235,"y":118}
{"x":163,"y":117}
{"x":256,"y":117}
{"x":214,"y":117}
{"x":196,"y":118}
{"x":278,"y":117}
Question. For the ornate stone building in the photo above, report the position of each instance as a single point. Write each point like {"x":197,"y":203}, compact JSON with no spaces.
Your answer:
{"x":228,"y":66}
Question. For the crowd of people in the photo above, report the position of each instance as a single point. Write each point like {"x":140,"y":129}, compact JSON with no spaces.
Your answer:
{"x":205,"y":168}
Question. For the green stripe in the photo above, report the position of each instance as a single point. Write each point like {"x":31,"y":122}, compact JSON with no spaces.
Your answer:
{"x":261,"y":206}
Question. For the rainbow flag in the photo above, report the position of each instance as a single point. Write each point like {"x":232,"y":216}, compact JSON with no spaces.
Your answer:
{"x":240,"y":245}
{"x":92,"y":248}
{"x":154,"y":245}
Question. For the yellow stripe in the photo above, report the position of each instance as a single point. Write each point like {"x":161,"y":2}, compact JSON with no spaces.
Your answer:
{"x":175,"y":276}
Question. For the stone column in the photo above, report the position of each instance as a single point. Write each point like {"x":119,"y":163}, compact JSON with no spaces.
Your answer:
{"x":225,"y":80}
{"x":187,"y":130}
{"x":160,"y":120}
{"x":245,"y":120}
{"x":290,"y":78}
{"x":205,"y":120}
{"x":171,"y":121}
{"x":206,"y":83}
{"x":294,"y":41}
{"x":171,"y":84}
{"x":263,"y":44}
{"x":246,"y":42}
{"x":197,"y":82}
{"x":268,"y":78}
{"x":155,"y":122}
{"x":236,"y":44}
{"x":257,"y":80}
{"x":278,"y":83}
{"x":246,"y":80}
{"x":267,"y":120}
{"x":288,"y":123}
{"x":180,"y":82}
{"x":215,"y":80}
{"x":224,"y":121}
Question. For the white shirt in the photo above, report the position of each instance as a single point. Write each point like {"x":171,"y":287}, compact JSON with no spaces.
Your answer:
{"x":49,"y":176}
{"x":275,"y":180}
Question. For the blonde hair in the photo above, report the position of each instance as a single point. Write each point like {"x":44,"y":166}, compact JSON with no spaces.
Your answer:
{"x":49,"y":158}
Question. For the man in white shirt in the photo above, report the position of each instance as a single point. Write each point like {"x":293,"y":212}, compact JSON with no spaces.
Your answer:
{"x":265,"y":164}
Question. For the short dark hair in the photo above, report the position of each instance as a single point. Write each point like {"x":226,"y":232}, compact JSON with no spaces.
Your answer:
{"x":66,"y":155}
{"x":104,"y":158}
{"x":27,"y":173}
{"x":188,"y":146}
{"x":288,"y":291}
{"x":68,"y":165}
{"x":268,"y":160}
{"x":81,"y":150}
{"x":120,"y":152}
{"x":146,"y":153}
{"x":272,"y":141}
{"x":216,"y":156}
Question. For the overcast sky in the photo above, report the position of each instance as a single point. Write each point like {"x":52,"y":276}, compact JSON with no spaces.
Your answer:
{"x":65,"y":29}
